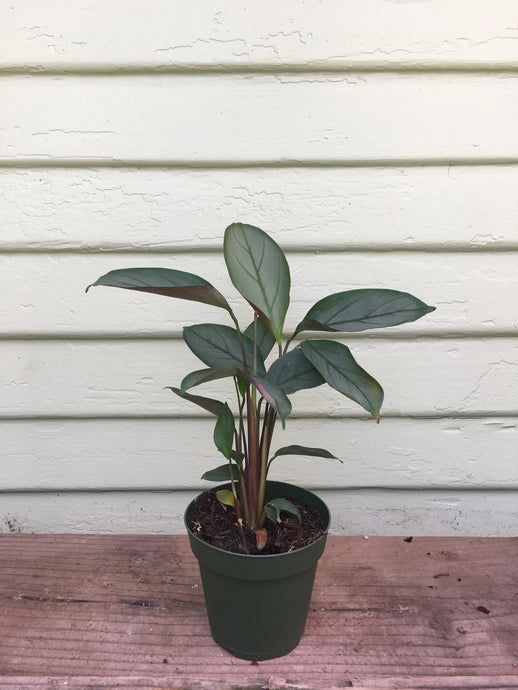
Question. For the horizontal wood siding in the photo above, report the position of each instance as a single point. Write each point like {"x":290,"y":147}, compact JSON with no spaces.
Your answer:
{"x":378,"y":144}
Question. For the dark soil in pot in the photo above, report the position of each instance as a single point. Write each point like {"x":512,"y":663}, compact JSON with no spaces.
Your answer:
{"x":216,"y":524}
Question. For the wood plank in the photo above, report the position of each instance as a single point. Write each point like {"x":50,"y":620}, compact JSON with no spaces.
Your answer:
{"x":295,"y":118}
{"x":161,"y":210}
{"x":339,"y":34}
{"x":96,"y":454}
{"x":375,"y":511}
{"x":126,"y":378}
{"x":432,"y":612}
{"x":472,"y":293}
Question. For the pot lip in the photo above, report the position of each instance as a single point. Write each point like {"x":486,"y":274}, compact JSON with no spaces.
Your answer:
{"x":262,"y":557}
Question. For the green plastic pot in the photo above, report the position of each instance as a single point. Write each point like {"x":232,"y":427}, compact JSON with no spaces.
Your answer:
{"x":258,"y":605}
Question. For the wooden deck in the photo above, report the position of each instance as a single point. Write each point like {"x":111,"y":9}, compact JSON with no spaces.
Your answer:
{"x":128,"y":612}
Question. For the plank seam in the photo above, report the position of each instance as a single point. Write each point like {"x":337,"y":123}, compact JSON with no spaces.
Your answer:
{"x":268,"y":164}
{"x":414,"y":335}
{"x":67,"y":417}
{"x":309,"y":248}
{"x":489,"y":487}
{"x":321,"y":68}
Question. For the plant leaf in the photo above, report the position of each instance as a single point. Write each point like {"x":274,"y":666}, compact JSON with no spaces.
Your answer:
{"x":164,"y":281}
{"x":265,"y":338}
{"x":218,"y":346}
{"x":237,"y":457}
{"x":213,"y":406}
{"x":273,"y":509}
{"x":195,"y":378}
{"x":226,"y":497}
{"x":358,"y":310}
{"x":294,"y":372}
{"x":303,"y":450}
{"x":259,"y":271}
{"x":224,"y":432}
{"x":339,"y":368}
{"x":222,"y":474}
{"x":272,"y":393}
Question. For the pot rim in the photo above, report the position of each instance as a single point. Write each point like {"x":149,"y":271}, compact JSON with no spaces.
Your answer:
{"x":269,"y":556}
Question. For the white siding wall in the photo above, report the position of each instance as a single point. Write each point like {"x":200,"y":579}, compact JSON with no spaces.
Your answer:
{"x":376,"y":141}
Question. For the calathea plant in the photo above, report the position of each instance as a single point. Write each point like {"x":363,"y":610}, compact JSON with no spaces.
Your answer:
{"x":258,"y":269}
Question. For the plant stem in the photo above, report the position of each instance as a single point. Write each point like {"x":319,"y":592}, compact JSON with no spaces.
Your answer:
{"x":266,"y":440}
{"x":253,"y":469}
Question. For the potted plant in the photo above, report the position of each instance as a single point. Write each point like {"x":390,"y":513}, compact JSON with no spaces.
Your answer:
{"x":257,"y":586}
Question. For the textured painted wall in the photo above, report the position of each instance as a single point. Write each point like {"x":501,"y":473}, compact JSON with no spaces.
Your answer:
{"x":376,"y":141}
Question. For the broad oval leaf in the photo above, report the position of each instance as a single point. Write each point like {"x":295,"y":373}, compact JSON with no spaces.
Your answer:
{"x":359,"y":310}
{"x":294,"y":372}
{"x":164,"y":281}
{"x":218,"y":346}
{"x":303,"y":450}
{"x":195,"y":378}
{"x":259,"y":271}
{"x":265,"y":338}
{"x":213,"y":406}
{"x":273,"y":394}
{"x":224,"y":432}
{"x":339,"y":368}
{"x":222,"y":473}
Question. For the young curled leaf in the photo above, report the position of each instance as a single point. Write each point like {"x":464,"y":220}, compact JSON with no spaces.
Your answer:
{"x":226,"y":497}
{"x":261,"y":537}
{"x":274,"y":507}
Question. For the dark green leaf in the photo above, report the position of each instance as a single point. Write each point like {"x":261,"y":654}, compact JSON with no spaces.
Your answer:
{"x":359,"y":310}
{"x":224,"y":432}
{"x":222,"y":474}
{"x":259,"y":271}
{"x":209,"y":404}
{"x":274,"y":507}
{"x":273,"y":394}
{"x":294,"y":372}
{"x":218,"y":346}
{"x":303,"y":450}
{"x":195,"y":378}
{"x":338,"y":367}
{"x":164,"y":281}
{"x":237,"y":457}
{"x":241,"y":385}
{"x":265,"y":338}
